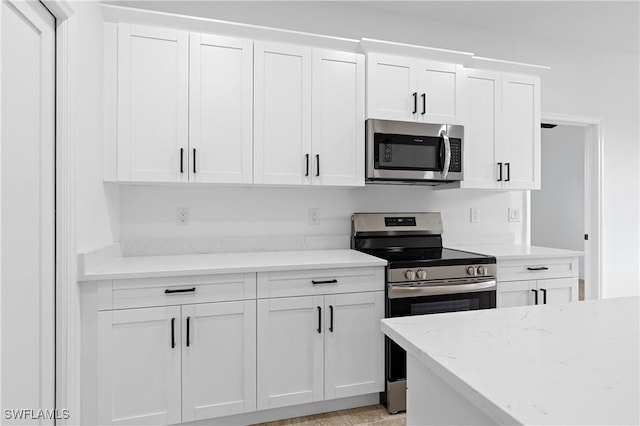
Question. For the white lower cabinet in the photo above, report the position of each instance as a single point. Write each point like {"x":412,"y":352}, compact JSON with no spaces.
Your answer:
{"x":537,"y":281}
{"x":312,"y":348}
{"x":176,"y":363}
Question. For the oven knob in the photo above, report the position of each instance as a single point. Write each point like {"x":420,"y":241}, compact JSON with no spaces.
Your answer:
{"x":410,"y":275}
{"x":421,"y":274}
{"x":471,"y":270}
{"x":482,"y":270}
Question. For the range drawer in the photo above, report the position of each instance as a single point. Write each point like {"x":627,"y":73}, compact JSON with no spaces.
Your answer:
{"x":537,"y":268}
{"x":319,"y":281}
{"x":147,"y":292}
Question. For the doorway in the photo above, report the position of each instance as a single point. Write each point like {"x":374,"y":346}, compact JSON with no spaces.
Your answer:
{"x":566,"y":211}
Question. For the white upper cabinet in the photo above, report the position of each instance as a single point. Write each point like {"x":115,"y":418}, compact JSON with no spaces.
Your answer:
{"x":282,"y":118}
{"x":220,"y":109}
{"x":521,"y":131}
{"x":440,"y":92}
{"x":502,"y":131}
{"x":411,"y":89}
{"x":338,"y":118}
{"x":153,"y":91}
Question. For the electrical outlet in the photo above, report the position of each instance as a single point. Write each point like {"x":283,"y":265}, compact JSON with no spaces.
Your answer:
{"x":474,"y":216}
{"x":514,"y":215}
{"x":182,"y":216}
{"x":314,"y":216}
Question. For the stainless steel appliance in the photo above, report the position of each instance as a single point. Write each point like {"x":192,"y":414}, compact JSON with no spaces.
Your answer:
{"x":413,"y":153}
{"x":422,"y":277}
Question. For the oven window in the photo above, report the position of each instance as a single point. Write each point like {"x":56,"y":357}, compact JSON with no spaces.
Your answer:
{"x":440,"y":306}
{"x":401,"y":152}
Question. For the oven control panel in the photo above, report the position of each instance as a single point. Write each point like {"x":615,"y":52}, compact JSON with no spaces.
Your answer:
{"x":400,"y":221}
{"x":399,"y":275}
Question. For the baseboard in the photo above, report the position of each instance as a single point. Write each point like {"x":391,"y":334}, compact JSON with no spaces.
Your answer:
{"x":294,"y":411}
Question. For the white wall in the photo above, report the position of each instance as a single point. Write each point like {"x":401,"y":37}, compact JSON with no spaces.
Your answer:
{"x":585,"y":80}
{"x":96,"y":204}
{"x":557,"y":210}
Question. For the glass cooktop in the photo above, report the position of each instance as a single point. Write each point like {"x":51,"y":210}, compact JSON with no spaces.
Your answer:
{"x":412,"y":257}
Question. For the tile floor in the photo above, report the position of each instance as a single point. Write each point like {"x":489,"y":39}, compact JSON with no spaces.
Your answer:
{"x":372,"y":415}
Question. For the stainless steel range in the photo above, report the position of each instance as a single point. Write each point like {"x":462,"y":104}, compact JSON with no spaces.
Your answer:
{"x":422,"y":277}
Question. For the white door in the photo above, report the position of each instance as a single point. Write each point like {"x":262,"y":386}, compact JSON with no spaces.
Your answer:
{"x":221,"y":109}
{"x":27,"y":123}
{"x":558,"y":290}
{"x":290,"y":351}
{"x":354,"y":344}
{"x":139,"y":364}
{"x":516,"y":293}
{"x":482,"y":130}
{"x":521,"y":131}
{"x":338,"y":118}
{"x":392,"y":87}
{"x":153,"y":104}
{"x":282,"y":113}
{"x":218,"y":359}
{"x":440,"y":92}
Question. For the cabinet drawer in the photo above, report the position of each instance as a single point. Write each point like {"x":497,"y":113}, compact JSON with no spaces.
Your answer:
{"x":319,"y":281}
{"x":146,"y":292}
{"x":537,"y":268}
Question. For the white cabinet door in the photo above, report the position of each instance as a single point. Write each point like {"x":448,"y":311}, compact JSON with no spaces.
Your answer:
{"x":440,"y":92}
{"x":482,"y":131}
{"x":521,"y":131}
{"x":354,"y":344}
{"x":515,"y":293}
{"x":558,"y":290}
{"x":282,"y":114}
{"x":338,"y":118}
{"x":139,"y":366}
{"x":392,"y":87}
{"x":153,"y":107}
{"x":218,"y":359}
{"x":290,"y":351}
{"x":221,"y":109}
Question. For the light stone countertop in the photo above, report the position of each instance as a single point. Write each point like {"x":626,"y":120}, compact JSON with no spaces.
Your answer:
{"x":504,"y":252}
{"x":226,"y":263}
{"x":568,"y":363}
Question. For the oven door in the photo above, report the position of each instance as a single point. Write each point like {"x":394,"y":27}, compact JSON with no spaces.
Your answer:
{"x":421,"y":300}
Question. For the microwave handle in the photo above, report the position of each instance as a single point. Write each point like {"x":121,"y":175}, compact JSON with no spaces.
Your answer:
{"x":447,"y":154}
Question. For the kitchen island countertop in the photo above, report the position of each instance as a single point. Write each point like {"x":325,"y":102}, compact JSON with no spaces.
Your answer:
{"x":567,"y":363}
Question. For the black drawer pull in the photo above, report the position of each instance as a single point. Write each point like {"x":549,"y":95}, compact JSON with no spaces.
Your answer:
{"x":324,"y":282}
{"x":539,"y":268}
{"x":535,"y":292}
{"x":180,"y":290}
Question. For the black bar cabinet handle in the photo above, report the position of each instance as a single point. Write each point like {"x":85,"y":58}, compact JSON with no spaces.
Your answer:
{"x":500,"y":174}
{"x":324,"y":282}
{"x":306,"y":156}
{"x":181,"y":160}
{"x":508,"y":166}
{"x":415,"y":102}
{"x":535,"y":292}
{"x":539,"y":268}
{"x":188,"y":322}
{"x":194,"y":160}
{"x":319,"y":319}
{"x":317,"y":165}
{"x":424,"y":103}
{"x":544,"y":295}
{"x":331,"y":318}
{"x":173,"y":333}
{"x":180,"y":290}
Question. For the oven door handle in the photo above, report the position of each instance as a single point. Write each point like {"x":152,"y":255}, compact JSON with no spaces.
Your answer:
{"x":447,"y":154}
{"x":397,"y":292}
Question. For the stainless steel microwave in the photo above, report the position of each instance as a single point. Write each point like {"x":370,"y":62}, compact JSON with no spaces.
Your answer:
{"x":413,"y":153}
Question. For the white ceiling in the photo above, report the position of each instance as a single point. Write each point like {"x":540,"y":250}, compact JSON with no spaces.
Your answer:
{"x":608,"y":24}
